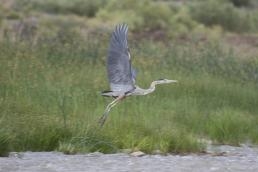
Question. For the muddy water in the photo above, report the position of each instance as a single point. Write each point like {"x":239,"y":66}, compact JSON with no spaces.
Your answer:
{"x":220,"y":158}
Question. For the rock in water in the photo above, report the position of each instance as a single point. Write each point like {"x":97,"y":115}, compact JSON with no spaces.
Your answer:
{"x":137,"y":153}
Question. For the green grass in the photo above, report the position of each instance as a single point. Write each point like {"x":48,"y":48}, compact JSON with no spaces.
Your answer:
{"x":50,"y":98}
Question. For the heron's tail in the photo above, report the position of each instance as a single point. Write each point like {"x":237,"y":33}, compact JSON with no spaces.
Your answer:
{"x":107,"y":93}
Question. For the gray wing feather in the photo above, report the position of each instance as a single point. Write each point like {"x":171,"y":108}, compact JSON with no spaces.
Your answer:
{"x":120,"y":73}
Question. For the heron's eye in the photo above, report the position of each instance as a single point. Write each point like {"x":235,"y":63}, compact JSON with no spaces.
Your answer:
{"x":161,"y":79}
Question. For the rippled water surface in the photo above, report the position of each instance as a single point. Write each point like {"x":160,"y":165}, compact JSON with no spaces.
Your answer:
{"x":220,"y":158}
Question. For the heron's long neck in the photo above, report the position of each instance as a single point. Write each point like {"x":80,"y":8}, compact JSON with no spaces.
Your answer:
{"x":140,"y":91}
{"x":152,"y":86}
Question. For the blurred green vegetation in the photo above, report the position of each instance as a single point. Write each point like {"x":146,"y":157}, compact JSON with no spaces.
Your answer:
{"x":174,"y":17}
{"x":79,"y":7}
{"x":52,"y":56}
{"x":226,"y":15}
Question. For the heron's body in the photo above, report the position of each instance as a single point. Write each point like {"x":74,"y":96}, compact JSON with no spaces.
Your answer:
{"x":121,"y":74}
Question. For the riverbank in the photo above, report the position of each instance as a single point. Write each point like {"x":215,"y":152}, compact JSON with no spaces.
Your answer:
{"x":219,"y":158}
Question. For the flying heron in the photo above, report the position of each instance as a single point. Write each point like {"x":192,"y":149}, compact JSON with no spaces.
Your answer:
{"x":121,"y":75}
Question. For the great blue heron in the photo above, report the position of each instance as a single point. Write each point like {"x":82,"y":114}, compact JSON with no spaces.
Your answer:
{"x":121,"y":75}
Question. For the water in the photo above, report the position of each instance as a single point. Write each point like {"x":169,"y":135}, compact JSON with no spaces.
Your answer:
{"x":219,"y":158}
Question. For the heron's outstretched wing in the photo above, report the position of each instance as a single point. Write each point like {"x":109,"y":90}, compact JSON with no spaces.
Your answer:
{"x":120,"y":73}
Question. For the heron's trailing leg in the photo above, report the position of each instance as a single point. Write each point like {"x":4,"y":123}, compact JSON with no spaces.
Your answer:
{"x":108,"y":108}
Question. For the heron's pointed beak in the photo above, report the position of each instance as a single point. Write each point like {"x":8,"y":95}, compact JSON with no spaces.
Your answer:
{"x":172,"y":81}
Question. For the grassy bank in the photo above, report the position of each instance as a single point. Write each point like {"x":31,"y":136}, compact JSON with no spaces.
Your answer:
{"x":50,"y":97}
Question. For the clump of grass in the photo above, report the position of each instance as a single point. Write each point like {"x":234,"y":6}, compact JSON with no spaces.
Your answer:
{"x":135,"y":137}
{"x":41,"y":138}
{"x":5,"y":141}
{"x":229,"y":126}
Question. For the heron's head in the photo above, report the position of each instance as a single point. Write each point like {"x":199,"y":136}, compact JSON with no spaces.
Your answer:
{"x":165,"y":81}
